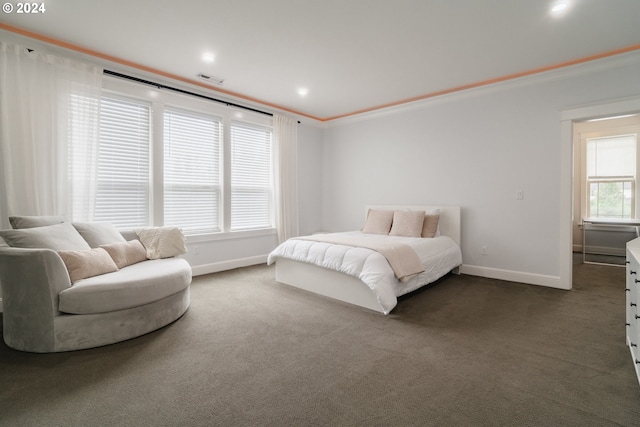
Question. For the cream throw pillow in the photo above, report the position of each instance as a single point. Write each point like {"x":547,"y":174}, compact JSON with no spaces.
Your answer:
{"x":378,"y":222}
{"x":89,"y":263}
{"x":407,"y":223}
{"x":126,"y":253}
{"x":162,"y":242}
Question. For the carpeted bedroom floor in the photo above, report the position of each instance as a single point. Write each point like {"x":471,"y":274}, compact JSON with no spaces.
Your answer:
{"x":252,"y":352}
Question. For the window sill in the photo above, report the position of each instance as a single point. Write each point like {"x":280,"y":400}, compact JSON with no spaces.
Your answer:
{"x":230,"y":235}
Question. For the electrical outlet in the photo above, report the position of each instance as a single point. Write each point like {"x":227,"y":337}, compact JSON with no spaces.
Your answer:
{"x":519,"y":194}
{"x":484,"y":250}
{"x":196,"y":250}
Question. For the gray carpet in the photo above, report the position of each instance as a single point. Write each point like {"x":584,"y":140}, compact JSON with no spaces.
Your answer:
{"x":252,"y":352}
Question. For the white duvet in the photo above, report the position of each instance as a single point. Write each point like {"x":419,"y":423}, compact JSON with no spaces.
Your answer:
{"x":439,"y":255}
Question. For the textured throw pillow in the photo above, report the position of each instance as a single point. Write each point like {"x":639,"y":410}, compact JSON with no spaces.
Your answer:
{"x":89,"y":263}
{"x":407,"y":223}
{"x":98,"y":233}
{"x":59,"y":237}
{"x":162,"y":242}
{"x":430,"y":225}
{"x":126,"y":253}
{"x":19,"y":222}
{"x":378,"y":222}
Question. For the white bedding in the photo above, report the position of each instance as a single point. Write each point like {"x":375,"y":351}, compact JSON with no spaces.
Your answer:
{"x":439,"y":255}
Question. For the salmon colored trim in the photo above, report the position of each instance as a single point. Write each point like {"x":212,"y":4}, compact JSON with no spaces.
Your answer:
{"x":491,"y":81}
{"x":145,"y":68}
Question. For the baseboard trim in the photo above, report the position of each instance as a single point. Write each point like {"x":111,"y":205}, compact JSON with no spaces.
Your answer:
{"x":512,"y":276}
{"x":601,"y":250}
{"x":215,"y":267}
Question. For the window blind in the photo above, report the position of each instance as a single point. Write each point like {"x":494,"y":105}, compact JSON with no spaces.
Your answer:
{"x":122,"y":195}
{"x":251,"y":177}
{"x":192,"y":171}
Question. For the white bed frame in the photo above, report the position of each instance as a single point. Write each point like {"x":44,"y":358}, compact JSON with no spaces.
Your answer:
{"x":343,"y":287}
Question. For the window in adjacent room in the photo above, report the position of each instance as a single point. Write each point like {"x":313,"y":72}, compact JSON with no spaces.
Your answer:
{"x":611,"y":176}
{"x":608,"y":164}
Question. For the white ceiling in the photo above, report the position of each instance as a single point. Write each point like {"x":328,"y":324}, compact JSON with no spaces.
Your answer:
{"x":352,"y":55}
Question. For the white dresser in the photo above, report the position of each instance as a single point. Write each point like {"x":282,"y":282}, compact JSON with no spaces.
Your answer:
{"x":632,"y":289}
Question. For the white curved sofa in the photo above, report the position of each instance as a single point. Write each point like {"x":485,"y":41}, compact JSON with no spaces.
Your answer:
{"x":43,"y":311}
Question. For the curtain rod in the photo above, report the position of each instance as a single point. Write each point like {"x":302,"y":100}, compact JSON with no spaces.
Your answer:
{"x":185,"y":92}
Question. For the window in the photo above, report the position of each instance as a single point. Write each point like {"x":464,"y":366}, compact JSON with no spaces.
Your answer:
{"x":251,"y":177}
{"x":122,"y":194}
{"x":611,"y":176}
{"x":169,"y":159}
{"x":192,"y":194}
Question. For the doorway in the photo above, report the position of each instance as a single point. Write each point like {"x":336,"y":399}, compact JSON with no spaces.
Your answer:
{"x":568,"y":118}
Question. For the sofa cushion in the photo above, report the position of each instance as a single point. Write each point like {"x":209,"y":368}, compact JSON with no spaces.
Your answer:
{"x":98,"y":233}
{"x":132,"y":286}
{"x":59,"y":237}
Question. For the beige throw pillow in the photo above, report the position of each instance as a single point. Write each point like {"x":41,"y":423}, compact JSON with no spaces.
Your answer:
{"x":89,"y":263}
{"x":430,"y":225}
{"x":378,"y":222}
{"x":407,"y":223}
{"x":126,"y":253}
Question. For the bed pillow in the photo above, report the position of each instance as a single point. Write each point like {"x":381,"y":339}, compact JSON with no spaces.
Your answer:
{"x":59,"y":237}
{"x":126,"y":253}
{"x":19,"y":222}
{"x":88,"y":263}
{"x":378,"y":222}
{"x":98,"y":233}
{"x":430,"y":225}
{"x":162,"y":242}
{"x":407,"y":223}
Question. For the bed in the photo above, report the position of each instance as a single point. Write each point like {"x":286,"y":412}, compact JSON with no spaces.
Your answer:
{"x":362,"y":276}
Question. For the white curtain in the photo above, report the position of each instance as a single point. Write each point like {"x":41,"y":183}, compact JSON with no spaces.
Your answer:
{"x":46,"y":104}
{"x":285,"y":132}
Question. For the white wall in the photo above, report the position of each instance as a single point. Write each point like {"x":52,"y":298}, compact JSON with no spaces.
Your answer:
{"x":474,"y":149}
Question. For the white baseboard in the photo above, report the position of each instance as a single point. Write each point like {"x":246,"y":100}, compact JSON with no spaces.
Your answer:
{"x":215,"y":267}
{"x":512,"y":276}
{"x":601,"y":250}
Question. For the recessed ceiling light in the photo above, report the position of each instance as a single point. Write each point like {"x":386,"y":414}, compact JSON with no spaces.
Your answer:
{"x":559,"y":7}
{"x":208,"y":57}
{"x":303,"y":91}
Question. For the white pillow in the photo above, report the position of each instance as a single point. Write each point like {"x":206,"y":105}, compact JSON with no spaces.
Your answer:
{"x":59,"y":237}
{"x":378,"y":222}
{"x":98,"y":233}
{"x":407,"y":223}
{"x":162,"y":242}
